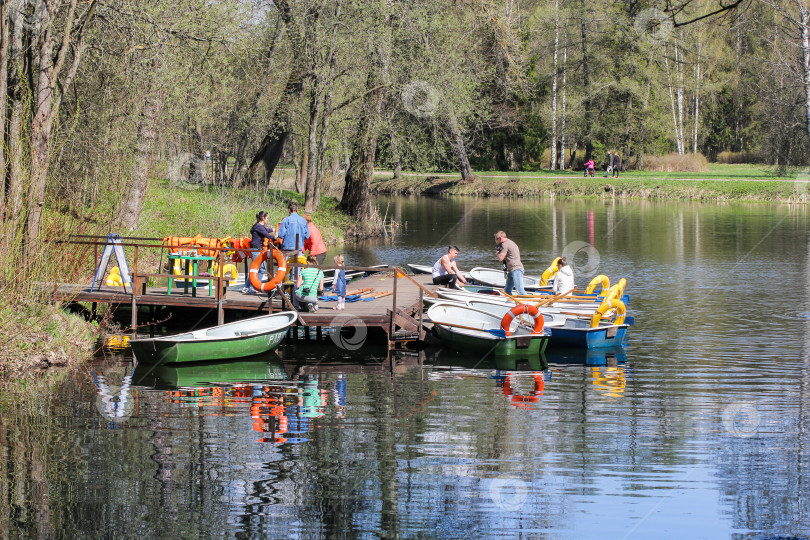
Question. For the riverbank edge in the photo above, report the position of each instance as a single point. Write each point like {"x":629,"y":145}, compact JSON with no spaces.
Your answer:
{"x":784,"y":191}
{"x":39,"y":336}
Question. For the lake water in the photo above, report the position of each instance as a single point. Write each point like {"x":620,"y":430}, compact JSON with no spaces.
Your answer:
{"x":698,"y":428}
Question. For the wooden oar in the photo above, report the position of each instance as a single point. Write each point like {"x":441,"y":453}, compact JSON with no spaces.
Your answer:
{"x":360,"y":291}
{"x":515,"y":300}
{"x":398,"y":273}
{"x":463,"y":327}
{"x":550,"y":300}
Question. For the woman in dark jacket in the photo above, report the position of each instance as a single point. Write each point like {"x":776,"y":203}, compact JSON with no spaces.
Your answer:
{"x":258,"y":233}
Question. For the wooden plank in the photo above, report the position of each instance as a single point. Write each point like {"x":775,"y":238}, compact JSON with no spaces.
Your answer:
{"x":404,"y":321}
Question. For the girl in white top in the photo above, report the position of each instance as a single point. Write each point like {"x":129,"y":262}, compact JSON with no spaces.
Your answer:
{"x":564,"y":278}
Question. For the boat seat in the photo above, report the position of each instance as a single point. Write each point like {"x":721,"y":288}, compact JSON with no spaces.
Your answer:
{"x":577,"y":323}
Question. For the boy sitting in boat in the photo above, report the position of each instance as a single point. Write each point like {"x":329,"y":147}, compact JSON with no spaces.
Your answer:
{"x":445,"y":270}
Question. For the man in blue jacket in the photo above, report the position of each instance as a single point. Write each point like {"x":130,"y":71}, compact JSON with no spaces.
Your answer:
{"x":291,"y":226}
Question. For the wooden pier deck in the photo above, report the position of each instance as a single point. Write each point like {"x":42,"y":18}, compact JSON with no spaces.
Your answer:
{"x":398,"y":313}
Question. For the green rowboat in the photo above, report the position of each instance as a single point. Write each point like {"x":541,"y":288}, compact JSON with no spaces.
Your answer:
{"x":232,"y":340}
{"x":465,"y":328}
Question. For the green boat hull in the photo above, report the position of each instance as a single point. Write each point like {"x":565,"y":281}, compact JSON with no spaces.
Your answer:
{"x":500,"y":347}
{"x":233,"y":340}
{"x":192,"y":351}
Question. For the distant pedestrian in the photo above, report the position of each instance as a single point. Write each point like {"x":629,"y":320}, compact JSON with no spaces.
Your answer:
{"x":609,"y":167}
{"x":617,"y":164}
{"x":314,"y":244}
{"x":589,"y":168}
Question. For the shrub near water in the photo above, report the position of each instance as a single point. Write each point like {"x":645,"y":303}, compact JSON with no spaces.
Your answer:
{"x":676,"y":163}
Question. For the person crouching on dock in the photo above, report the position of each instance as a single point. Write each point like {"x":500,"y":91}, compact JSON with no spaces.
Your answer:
{"x":446,"y":272}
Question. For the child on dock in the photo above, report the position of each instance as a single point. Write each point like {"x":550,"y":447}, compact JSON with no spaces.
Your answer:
{"x":308,"y":285}
{"x":339,"y":286}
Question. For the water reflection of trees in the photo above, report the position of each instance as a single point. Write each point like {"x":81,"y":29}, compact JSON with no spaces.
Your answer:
{"x":416,"y":449}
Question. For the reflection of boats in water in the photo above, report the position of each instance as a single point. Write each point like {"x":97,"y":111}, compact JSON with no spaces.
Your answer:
{"x":258,"y":368}
{"x":589,"y":357}
{"x":281,"y":410}
{"x":450,"y":358}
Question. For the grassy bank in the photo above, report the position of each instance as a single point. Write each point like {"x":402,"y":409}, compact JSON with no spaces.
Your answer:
{"x":188,"y":209}
{"x":36,"y":336}
{"x":720,"y":182}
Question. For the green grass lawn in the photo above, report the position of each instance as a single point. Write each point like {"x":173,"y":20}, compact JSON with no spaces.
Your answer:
{"x":717,"y":171}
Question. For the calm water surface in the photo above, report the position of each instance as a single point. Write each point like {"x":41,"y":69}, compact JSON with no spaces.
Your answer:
{"x":698,"y":428}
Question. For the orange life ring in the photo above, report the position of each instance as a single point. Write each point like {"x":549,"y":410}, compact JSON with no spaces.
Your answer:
{"x":520,"y":310}
{"x":518,"y":399}
{"x":256,"y":281}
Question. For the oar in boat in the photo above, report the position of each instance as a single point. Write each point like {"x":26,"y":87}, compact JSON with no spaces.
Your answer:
{"x":494,"y":331}
{"x":553,"y":299}
{"x":399,"y":273}
{"x":515,"y":300}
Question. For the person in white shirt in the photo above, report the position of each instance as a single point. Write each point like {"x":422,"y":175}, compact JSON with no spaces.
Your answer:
{"x":446,"y":272}
{"x":564,"y":278}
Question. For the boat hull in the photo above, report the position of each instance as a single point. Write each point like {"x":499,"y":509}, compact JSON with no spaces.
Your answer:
{"x":193,"y":351}
{"x":589,"y":338}
{"x":234,"y":340}
{"x":512,"y":346}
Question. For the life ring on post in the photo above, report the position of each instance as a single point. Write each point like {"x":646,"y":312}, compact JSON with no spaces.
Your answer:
{"x":601,"y":278}
{"x":268,"y":286}
{"x":606,"y":306}
{"x":520,"y":310}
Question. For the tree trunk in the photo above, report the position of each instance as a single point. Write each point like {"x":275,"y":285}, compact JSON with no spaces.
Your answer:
{"x":674,"y":108}
{"x":4,"y":37}
{"x":460,"y":149}
{"x":805,"y":23}
{"x":679,"y":78}
{"x":51,"y":84}
{"x":197,"y":163}
{"x":315,"y":106}
{"x":562,"y":107}
{"x":554,"y":87}
{"x":396,"y":157}
{"x":325,"y":118}
{"x":697,"y":103}
{"x":301,"y":179}
{"x":136,"y":188}
{"x":16,"y":174}
{"x":356,"y":200}
{"x":586,"y":80}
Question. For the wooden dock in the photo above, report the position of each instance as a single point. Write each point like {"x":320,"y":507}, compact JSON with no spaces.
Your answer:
{"x":397,"y":314}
